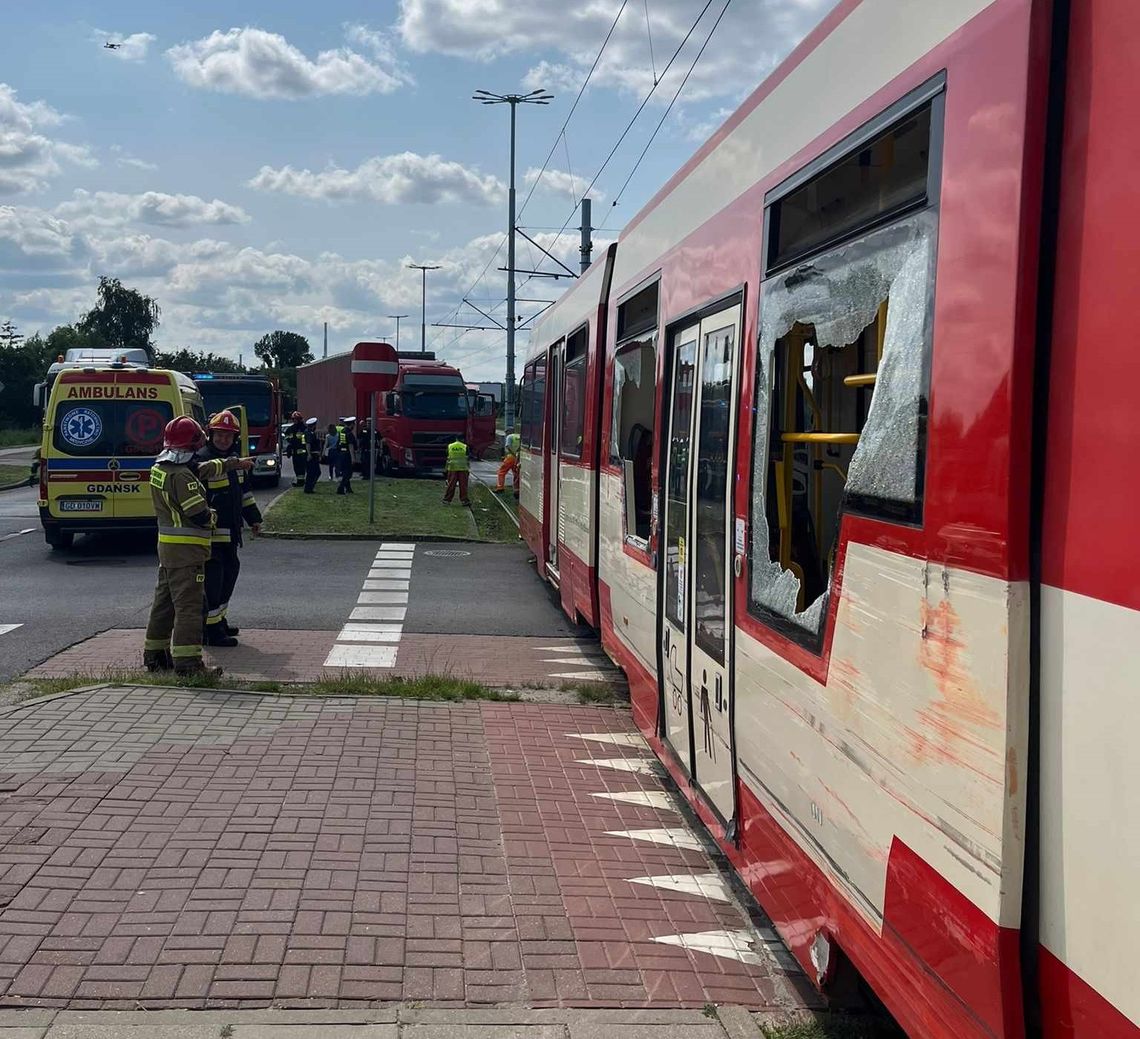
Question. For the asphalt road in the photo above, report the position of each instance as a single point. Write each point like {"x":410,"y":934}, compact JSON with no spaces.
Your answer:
{"x":60,"y":598}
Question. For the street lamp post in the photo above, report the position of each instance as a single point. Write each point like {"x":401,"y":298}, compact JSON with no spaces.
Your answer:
{"x":535,"y":97}
{"x":423,"y":268}
{"x":397,"y":317}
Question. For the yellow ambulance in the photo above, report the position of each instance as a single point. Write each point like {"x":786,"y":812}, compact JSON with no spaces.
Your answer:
{"x":103,"y":427}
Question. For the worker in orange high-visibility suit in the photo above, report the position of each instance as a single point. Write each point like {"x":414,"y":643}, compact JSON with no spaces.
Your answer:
{"x":510,"y":464}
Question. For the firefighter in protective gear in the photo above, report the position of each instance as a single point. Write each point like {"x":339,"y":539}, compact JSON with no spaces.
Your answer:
{"x":458,"y":471}
{"x":185,"y":523}
{"x":313,"y":456}
{"x":510,"y":464}
{"x":230,"y":497}
{"x":346,"y":456}
{"x":297,"y":448}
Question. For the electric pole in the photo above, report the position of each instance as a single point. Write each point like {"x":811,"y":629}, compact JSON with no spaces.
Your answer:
{"x":423,"y":268}
{"x":587,"y":246}
{"x":397,"y":317}
{"x":535,"y":97}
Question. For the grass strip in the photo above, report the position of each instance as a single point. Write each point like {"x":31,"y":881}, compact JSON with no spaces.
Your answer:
{"x":21,"y":437}
{"x":347,"y":683}
{"x":404,"y":508}
{"x":14,"y":474}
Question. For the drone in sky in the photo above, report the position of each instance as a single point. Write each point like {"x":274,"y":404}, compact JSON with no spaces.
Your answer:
{"x":109,"y":45}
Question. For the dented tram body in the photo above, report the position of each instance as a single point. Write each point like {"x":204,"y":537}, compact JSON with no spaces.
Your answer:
{"x":822,"y":448}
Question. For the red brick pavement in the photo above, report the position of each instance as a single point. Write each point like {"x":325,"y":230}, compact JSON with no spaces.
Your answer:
{"x":234,"y":851}
{"x":299,"y":656}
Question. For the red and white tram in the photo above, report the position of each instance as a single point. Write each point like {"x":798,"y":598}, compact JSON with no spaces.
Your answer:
{"x":830,"y":448}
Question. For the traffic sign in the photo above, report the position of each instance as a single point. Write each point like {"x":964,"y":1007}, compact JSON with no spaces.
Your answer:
{"x":374,"y":367}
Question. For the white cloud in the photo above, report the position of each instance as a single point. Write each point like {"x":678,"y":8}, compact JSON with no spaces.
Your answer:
{"x":391,"y":179}
{"x":124,"y":158}
{"x":29,"y":159}
{"x":263,"y":64}
{"x":562,"y":182}
{"x":32,"y":240}
{"x":109,"y":209}
{"x":130,"y":48}
{"x":759,"y":35}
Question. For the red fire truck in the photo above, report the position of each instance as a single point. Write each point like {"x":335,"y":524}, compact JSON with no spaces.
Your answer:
{"x":260,"y":395}
{"x":416,"y":421}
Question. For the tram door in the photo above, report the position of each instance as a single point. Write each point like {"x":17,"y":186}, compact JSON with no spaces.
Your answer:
{"x":554,"y":394}
{"x":696,"y":619}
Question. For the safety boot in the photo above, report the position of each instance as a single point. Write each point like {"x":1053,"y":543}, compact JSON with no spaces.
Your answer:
{"x":194,"y":666}
{"x":230,"y":629}
{"x":158,"y":660}
{"x":216,"y":636}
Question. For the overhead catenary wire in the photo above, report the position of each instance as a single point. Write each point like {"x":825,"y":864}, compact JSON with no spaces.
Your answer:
{"x":665,"y":114}
{"x":636,"y":115}
{"x":566,"y":121}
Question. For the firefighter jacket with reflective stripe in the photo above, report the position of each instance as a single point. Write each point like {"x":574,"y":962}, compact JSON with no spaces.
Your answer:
{"x":295,"y":441}
{"x":513,"y":441}
{"x":185,"y":521}
{"x":457,"y":457}
{"x":228,"y":493}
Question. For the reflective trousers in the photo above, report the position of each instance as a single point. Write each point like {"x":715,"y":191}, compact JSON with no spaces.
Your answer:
{"x":298,"y":469}
{"x":221,"y":577}
{"x":176,"y":615}
{"x":459,"y":479}
{"x":312,"y":474}
{"x":510,"y":465}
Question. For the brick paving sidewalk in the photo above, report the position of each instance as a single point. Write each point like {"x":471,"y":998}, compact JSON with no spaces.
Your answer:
{"x":299,"y":656}
{"x":162,"y":848}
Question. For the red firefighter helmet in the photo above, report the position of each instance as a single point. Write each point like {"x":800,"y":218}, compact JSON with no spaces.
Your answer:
{"x":224,"y":422}
{"x":183,"y":434}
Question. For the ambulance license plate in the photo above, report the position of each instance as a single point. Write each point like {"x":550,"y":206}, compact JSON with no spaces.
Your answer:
{"x":91,"y":505}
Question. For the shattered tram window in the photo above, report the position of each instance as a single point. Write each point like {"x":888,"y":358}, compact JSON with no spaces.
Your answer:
{"x":840,"y":378}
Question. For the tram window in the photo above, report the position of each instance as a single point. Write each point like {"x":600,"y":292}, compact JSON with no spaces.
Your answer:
{"x":574,"y":395}
{"x":841,"y":379}
{"x":885,"y":176}
{"x":632,"y":434}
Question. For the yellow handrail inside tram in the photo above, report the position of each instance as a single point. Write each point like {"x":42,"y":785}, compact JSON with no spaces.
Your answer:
{"x":820,"y":438}
{"x":867,"y":379}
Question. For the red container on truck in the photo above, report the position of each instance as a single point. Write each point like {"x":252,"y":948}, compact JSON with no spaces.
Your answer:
{"x":416,"y":421}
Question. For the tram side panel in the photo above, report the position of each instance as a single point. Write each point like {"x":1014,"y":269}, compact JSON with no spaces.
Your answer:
{"x":1090,"y":591}
{"x":880,"y":754}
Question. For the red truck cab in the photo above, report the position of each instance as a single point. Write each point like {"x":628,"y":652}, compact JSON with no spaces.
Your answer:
{"x":429,"y":406}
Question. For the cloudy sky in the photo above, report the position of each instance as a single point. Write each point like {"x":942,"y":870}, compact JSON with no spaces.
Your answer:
{"x":260,"y":165}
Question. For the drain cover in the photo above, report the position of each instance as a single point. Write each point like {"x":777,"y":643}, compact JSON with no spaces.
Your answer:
{"x":447,"y":553}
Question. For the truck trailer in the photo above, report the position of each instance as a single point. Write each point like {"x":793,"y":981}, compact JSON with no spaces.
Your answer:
{"x":428,"y":407}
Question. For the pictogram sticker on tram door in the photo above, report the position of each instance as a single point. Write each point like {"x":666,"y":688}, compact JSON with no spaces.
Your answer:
{"x":680,"y":577}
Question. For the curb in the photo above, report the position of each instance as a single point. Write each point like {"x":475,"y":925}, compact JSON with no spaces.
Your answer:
{"x":17,"y":486}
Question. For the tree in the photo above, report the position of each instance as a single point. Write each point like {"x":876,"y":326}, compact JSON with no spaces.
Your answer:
{"x":190,"y":361}
{"x":9,"y":336}
{"x":122,"y":317}
{"x":281,"y":350}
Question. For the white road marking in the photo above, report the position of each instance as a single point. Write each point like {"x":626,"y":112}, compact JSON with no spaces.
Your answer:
{"x":362,"y":656}
{"x":707,"y":885}
{"x":371,"y":637}
{"x":617,"y":739}
{"x":387,"y":598}
{"x":17,"y":533}
{"x":5,"y":628}
{"x":572,"y":661}
{"x":378,"y":613}
{"x":348,"y":634}
{"x":642,"y":766}
{"x":731,"y":945}
{"x":673,"y":837}
{"x":567,"y":648}
{"x":644,"y":798}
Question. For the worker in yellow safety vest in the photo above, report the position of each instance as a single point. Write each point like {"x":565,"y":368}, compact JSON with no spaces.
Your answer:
{"x":510,"y":464}
{"x":458,"y":471}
